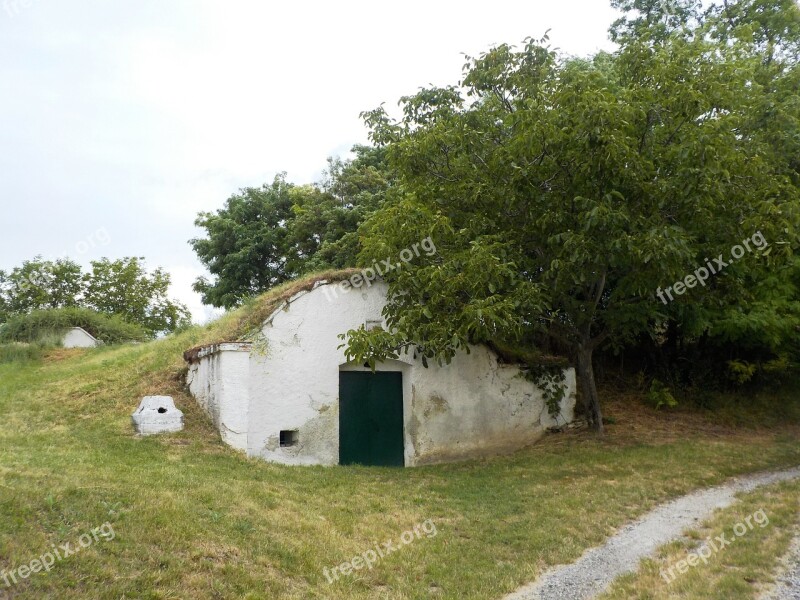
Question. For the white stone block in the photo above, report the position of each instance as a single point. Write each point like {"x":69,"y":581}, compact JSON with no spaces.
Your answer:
{"x":157,"y":414}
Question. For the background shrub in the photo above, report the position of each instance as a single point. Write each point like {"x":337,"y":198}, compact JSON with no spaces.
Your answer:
{"x":46,"y":327}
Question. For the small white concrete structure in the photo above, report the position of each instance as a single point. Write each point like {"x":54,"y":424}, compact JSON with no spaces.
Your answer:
{"x":157,"y":414}
{"x":292,"y":397}
{"x":77,"y":337}
{"x":221,"y":380}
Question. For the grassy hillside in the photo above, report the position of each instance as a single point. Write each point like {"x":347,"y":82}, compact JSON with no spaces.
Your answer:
{"x":193,"y":519}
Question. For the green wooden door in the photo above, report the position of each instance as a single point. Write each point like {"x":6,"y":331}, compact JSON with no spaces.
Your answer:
{"x":371,"y":418}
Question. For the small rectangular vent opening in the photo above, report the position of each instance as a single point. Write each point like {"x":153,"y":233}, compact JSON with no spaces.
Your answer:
{"x":289,"y":437}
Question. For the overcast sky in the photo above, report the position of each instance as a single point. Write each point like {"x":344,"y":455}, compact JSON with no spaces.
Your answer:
{"x":120,"y":121}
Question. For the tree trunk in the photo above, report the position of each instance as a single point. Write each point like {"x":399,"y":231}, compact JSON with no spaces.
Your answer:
{"x":591,"y":401}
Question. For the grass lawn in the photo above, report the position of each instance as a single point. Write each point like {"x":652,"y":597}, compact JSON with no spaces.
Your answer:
{"x":193,"y":519}
{"x":755,"y":532}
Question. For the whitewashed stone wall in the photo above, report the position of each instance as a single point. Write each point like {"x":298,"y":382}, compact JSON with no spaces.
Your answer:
{"x":472,"y":407}
{"x":219,"y":380}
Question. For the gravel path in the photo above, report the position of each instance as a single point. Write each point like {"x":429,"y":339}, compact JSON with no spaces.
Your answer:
{"x":598,"y":567}
{"x":788,"y":585}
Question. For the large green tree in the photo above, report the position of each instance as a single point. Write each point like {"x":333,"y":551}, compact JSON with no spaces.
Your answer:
{"x":563,"y":193}
{"x":41,"y":284}
{"x":763,"y":38}
{"x":4,"y":308}
{"x":125,"y":287}
{"x":326,"y":222}
{"x":246,"y":250}
{"x":264,"y":236}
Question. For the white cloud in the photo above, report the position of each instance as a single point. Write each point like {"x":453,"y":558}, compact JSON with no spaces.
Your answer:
{"x":136,"y":116}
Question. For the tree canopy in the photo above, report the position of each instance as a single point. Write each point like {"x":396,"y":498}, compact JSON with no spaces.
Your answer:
{"x":122,"y":287}
{"x":563,"y":193}
{"x":265,"y":236}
